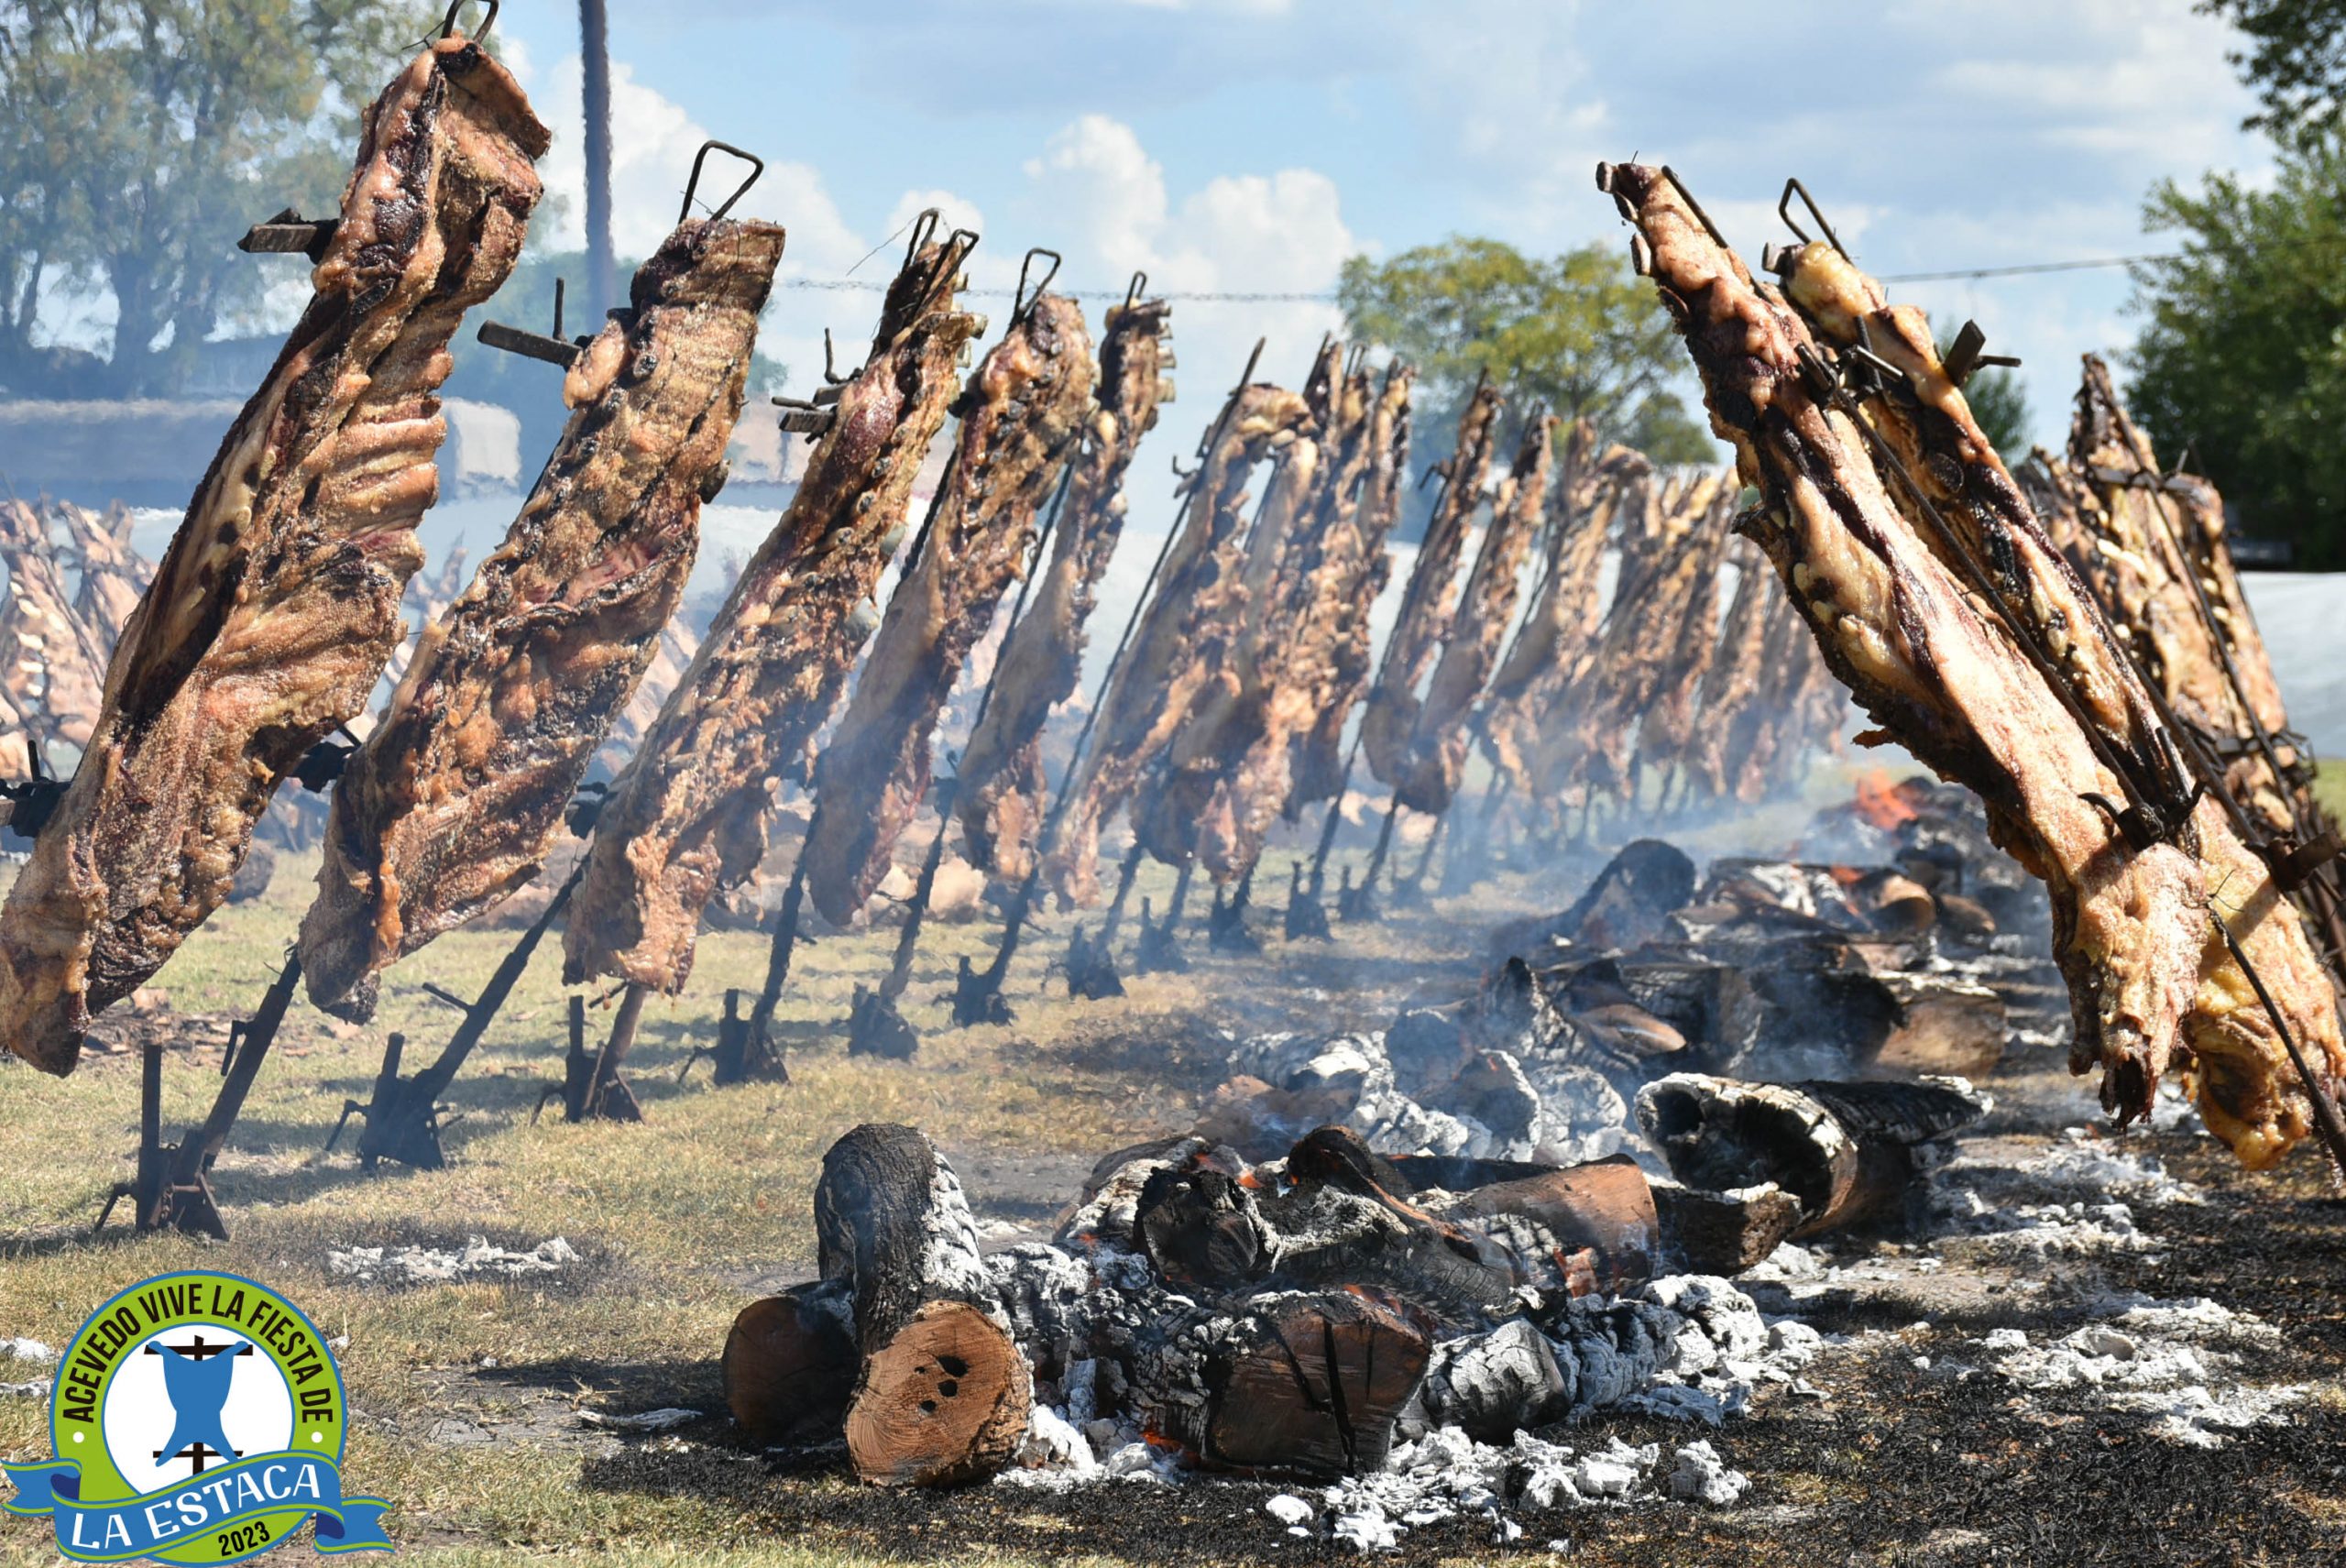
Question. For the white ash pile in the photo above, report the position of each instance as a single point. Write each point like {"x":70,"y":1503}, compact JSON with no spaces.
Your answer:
{"x":22,"y":1353}
{"x":478,"y":1258}
{"x":1401,"y":1329}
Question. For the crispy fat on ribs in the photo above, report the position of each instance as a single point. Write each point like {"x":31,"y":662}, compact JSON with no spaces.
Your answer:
{"x":1927,"y":649}
{"x":1173,"y":653}
{"x":1434,"y":760}
{"x":1020,"y":415}
{"x":1319,"y":765}
{"x":454,"y":799}
{"x":1430,"y":598}
{"x":688,"y":813}
{"x":999,"y":787}
{"x":273,"y":612}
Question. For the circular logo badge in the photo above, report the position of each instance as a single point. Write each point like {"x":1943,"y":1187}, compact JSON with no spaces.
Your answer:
{"x":199,"y":1418}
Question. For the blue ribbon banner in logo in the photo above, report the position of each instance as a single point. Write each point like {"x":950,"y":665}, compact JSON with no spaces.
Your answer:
{"x":220,"y":1500}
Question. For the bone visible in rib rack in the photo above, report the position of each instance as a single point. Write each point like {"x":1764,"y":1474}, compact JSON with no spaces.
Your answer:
{"x":272,"y":613}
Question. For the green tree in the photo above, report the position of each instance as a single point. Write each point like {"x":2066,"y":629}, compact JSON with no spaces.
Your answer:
{"x":2295,"y":60}
{"x":1579,"y":332}
{"x":2243,"y":355}
{"x":139,"y":139}
{"x":1999,"y":402}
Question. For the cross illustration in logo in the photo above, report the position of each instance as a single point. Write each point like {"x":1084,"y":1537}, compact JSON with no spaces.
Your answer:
{"x":197,"y":1376}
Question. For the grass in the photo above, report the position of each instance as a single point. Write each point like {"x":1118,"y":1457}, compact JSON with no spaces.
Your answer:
{"x":466,"y":1395}
{"x":681,"y":1220}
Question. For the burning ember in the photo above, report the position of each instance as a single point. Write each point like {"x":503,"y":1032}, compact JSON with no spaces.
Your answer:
{"x":1880,"y":802}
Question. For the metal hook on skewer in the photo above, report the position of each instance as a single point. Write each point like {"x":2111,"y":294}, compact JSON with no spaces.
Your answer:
{"x":831,"y":376}
{"x":1133,"y":288}
{"x":1792,"y":187}
{"x":757,"y":167}
{"x":1020,"y":302}
{"x":553,"y":348}
{"x":1963,"y":355}
{"x":1693,"y":206}
{"x":924,"y":230}
{"x":290,"y":233}
{"x":448,"y":22}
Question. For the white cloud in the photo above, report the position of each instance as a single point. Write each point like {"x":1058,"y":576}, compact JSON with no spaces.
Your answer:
{"x":1096,"y":194}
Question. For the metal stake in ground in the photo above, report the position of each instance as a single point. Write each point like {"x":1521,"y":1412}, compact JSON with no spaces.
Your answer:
{"x":976,"y":993}
{"x":173,"y":1185}
{"x":404,"y":1118}
{"x":606,"y":1094}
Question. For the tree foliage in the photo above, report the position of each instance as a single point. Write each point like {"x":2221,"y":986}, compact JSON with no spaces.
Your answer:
{"x":2295,"y":60}
{"x":2243,"y":355}
{"x":1579,"y":332}
{"x":139,"y":139}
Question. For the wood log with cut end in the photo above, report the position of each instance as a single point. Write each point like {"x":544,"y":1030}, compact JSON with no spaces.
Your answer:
{"x":789,"y":1367}
{"x":1956,"y":649}
{"x":276,"y":606}
{"x":1845,"y":1150}
{"x":945,"y":1400}
{"x":1946,"y":1026}
{"x":1301,"y":1382}
{"x":942,"y":1394}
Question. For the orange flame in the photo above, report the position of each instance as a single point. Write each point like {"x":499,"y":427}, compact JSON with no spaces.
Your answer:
{"x":1880,"y":803}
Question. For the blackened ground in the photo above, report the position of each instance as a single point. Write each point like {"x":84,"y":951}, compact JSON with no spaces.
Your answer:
{"x":1898,"y":1466}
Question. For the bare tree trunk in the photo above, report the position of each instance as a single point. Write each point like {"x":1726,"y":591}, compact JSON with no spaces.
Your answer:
{"x":594,"y":61}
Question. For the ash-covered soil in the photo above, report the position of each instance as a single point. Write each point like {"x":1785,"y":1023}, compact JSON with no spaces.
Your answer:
{"x":2082,"y":1349}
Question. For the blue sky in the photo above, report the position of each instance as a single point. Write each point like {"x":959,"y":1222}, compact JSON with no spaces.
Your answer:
{"x":1252,"y":145}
